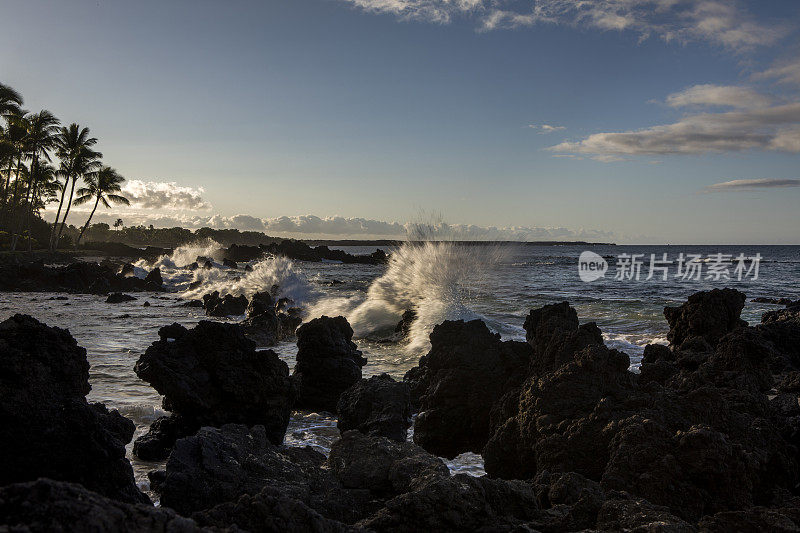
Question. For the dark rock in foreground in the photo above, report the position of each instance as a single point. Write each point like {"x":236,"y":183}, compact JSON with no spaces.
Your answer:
{"x":378,"y":405}
{"x":383,"y":466}
{"x":47,"y":505}
{"x":555,"y":335}
{"x":212,"y":375}
{"x":269,"y":511}
{"x":47,"y":429}
{"x":157,"y":443}
{"x":705,"y":318}
{"x":694,"y":433}
{"x":467,"y":370}
{"x":220,"y":465}
{"x":328,"y":362}
{"x":459,"y":503}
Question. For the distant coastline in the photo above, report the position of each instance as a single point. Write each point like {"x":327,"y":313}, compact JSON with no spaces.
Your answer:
{"x":144,"y":236}
{"x":385,"y":242}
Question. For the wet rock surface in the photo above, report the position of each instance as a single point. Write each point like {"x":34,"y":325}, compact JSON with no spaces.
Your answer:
{"x":694,"y":434}
{"x":47,"y":505}
{"x":118,"y":297}
{"x":466,"y":371}
{"x":268,"y":321}
{"x":47,"y":428}
{"x":220,"y":465}
{"x":213,"y":375}
{"x":705,"y":318}
{"x":378,"y":405}
{"x":156,"y":444}
{"x":328,"y":362}
{"x":227,"y":305}
{"x":154,"y":277}
{"x":705,"y":438}
{"x":382,"y":466}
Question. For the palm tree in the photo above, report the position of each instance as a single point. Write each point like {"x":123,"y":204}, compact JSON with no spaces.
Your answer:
{"x":40,"y":138}
{"x":118,"y":223}
{"x":74,"y":148}
{"x":10,"y":100}
{"x":103,"y":186}
{"x":44,"y":191}
{"x":14,"y":137}
{"x":7,"y":153}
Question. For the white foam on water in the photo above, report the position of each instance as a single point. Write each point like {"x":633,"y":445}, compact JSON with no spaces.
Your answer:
{"x":266,"y":273}
{"x":435,"y":279}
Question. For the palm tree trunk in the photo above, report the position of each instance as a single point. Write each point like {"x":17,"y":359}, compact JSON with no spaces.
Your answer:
{"x":8,"y":179}
{"x":8,"y":209}
{"x":52,"y":246}
{"x":20,"y":222}
{"x":66,"y":213}
{"x":30,"y":215}
{"x":85,"y":226}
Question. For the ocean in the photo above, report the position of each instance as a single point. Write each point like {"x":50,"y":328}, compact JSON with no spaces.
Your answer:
{"x":496,"y":283}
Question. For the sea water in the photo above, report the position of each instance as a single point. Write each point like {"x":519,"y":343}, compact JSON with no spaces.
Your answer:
{"x":497,"y":283}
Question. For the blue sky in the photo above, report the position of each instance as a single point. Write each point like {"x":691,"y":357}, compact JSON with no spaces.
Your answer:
{"x":349,"y":117}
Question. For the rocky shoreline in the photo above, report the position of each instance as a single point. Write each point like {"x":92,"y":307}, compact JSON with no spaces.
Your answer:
{"x":64,"y":274}
{"x":704,"y":438}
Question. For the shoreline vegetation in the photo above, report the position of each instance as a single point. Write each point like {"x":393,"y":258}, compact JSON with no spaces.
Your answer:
{"x":42,"y":163}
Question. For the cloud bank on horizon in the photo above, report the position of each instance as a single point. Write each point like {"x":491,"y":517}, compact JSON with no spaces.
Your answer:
{"x":338,"y":227}
{"x":167,"y":204}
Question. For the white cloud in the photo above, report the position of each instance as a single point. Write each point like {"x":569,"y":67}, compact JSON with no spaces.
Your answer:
{"x":163,"y":195}
{"x":719,"y":95}
{"x":608,"y":158}
{"x":314,"y":227}
{"x":436,"y":11}
{"x":784,"y":71}
{"x":775,"y":128}
{"x":722,"y":22}
{"x":546,"y":128}
{"x":752,"y":184}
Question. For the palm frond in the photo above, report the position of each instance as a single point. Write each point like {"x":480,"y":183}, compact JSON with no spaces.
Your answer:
{"x":80,"y":200}
{"x":117,"y":199}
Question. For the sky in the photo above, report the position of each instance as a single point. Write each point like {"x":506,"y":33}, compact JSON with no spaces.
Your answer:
{"x":632,"y":121}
